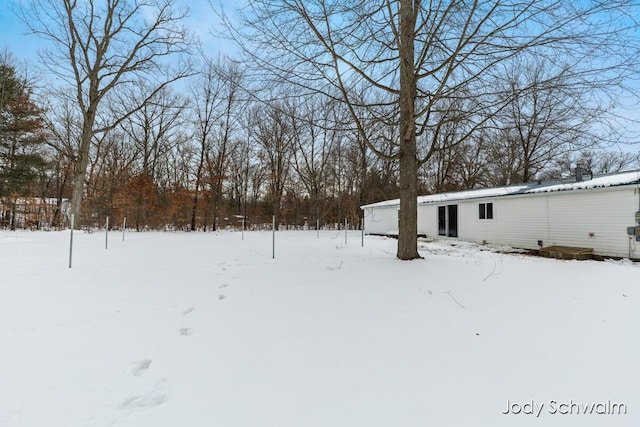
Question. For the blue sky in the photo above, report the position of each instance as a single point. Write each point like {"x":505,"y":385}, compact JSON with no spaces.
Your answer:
{"x":12,"y":33}
{"x":25,"y":47}
{"x":201,"y":21}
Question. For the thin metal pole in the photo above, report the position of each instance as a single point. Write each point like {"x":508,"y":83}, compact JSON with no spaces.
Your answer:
{"x":124,"y":226}
{"x":318,"y":228}
{"x":71,"y":239}
{"x":243,"y":227}
{"x":362,"y":233}
{"x":106,"y":235}
{"x":273,"y":237}
{"x":345,"y":231}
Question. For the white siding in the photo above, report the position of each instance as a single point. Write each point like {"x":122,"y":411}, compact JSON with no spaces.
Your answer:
{"x":424,"y":218}
{"x":384,"y":220}
{"x":428,"y":219}
{"x":518,"y":221}
{"x":596,"y":218}
{"x":592,"y":218}
{"x":381,"y":220}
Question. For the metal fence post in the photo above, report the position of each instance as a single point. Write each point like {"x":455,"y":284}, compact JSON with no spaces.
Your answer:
{"x":71,"y":239}
{"x":345,"y":231}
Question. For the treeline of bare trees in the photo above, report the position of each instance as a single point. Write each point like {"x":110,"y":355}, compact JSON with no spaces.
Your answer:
{"x":209,"y":155}
{"x":333,"y":106}
{"x":198,"y":158}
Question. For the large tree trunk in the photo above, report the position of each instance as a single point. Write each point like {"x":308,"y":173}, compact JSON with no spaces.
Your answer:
{"x":76,"y":197}
{"x":79,"y":177}
{"x":408,"y":217}
{"x":80,"y":171}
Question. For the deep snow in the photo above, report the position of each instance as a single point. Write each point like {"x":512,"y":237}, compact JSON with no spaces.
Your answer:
{"x":206,"y":329}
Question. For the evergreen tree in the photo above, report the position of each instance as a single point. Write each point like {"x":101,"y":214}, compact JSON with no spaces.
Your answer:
{"x":21,"y":141}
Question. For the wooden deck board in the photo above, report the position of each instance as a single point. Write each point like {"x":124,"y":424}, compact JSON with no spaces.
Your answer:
{"x":566,"y":252}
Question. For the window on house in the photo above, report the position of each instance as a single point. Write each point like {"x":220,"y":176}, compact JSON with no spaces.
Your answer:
{"x":448,"y":220}
{"x":485,"y":211}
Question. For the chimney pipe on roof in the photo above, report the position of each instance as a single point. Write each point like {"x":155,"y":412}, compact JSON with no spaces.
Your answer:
{"x":578,"y":172}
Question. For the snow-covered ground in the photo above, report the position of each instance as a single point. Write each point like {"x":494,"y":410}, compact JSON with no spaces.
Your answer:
{"x":206,"y":329}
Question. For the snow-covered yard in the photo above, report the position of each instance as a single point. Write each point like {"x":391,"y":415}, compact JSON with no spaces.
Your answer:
{"x":206,"y":329}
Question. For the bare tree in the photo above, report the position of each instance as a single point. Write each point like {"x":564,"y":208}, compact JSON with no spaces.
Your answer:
{"x":238,"y":175}
{"x":101,"y":48}
{"x":113,"y":164}
{"x":156,"y":127}
{"x":314,"y":143}
{"x":411,"y":58}
{"x":205,"y":92}
{"x":609,"y":161}
{"x":275,"y":136}
{"x":65,"y":127}
{"x":471,"y":162}
{"x":593,"y":162}
{"x":223,"y":143}
{"x":549,"y":113}
{"x":216,"y":96}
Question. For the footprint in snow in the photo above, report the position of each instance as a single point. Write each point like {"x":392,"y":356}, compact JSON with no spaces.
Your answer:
{"x":141,"y":367}
{"x":333,"y":268}
{"x":224,"y":285}
{"x":221,"y":297}
{"x":155,"y":397}
{"x":188,"y":310}
{"x":144,"y":401}
{"x":185,"y":332}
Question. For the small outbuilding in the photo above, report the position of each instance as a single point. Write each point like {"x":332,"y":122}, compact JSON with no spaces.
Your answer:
{"x":601,"y":213}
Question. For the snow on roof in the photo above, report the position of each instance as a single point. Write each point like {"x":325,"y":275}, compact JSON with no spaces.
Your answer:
{"x":621,"y":178}
{"x":459,"y":195}
{"x":611,"y":180}
{"x":473,"y":194}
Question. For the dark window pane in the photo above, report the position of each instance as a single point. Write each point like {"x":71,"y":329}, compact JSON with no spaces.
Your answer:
{"x":489,"y":210}
{"x":442,"y":221}
{"x":452,"y":211}
{"x":481,"y":211}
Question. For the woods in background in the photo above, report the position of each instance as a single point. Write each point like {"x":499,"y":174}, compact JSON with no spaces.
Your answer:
{"x":209,"y":143}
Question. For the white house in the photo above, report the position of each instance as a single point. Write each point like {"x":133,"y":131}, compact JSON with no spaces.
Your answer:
{"x":594,"y":213}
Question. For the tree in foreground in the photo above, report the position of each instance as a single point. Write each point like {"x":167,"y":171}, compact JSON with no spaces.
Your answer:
{"x":104,"y":49}
{"x":423,"y":66}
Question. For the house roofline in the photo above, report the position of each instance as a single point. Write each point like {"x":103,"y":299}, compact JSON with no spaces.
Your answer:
{"x":615,"y":179}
